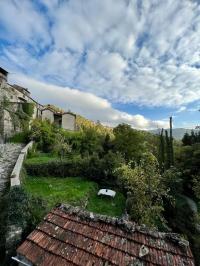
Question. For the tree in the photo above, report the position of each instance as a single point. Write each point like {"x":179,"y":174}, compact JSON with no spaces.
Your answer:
{"x":196,"y":186}
{"x":129,"y":142}
{"x":44,"y":134}
{"x":144,"y":184}
{"x":186,"y":139}
{"x":168,"y":158}
{"x":171,"y":144}
{"x":91,"y":142}
{"x":162,"y":152}
{"x":61,"y":146}
{"x":107,"y":144}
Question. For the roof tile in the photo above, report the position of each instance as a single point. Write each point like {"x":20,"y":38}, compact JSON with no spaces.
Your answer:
{"x":70,"y":236}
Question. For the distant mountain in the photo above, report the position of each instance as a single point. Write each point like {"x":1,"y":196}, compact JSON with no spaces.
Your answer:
{"x":178,"y":133}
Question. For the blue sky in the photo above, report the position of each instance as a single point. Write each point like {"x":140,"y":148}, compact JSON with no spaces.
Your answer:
{"x":131,"y":61}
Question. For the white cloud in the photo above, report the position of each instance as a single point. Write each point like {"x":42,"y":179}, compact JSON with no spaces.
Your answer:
{"x":84,"y":103}
{"x":181,"y":109}
{"x":141,"y":52}
{"x":23,"y":22}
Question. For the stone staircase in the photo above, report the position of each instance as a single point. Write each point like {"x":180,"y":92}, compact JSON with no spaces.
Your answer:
{"x":8,"y":156}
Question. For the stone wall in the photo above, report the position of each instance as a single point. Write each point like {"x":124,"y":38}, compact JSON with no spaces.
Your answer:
{"x":48,"y":114}
{"x":15,"y":97}
{"x":69,"y":121}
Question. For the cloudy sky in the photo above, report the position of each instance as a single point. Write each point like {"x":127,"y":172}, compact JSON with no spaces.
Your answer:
{"x":132,"y":61}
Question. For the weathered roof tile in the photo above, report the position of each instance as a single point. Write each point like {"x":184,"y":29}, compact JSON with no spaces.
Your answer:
{"x":71,"y":236}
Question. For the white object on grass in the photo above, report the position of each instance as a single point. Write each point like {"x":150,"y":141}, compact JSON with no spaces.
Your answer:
{"x":107,"y":192}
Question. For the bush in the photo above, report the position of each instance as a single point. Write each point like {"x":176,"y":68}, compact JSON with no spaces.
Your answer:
{"x":92,"y":167}
{"x":22,"y":212}
{"x":44,"y":134}
{"x":21,"y":137}
{"x":55,"y":168}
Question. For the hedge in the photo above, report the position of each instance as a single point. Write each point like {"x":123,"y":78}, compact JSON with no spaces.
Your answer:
{"x":85,"y":167}
{"x":92,"y":167}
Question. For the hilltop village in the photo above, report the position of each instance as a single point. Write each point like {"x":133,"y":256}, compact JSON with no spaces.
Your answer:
{"x":74,"y":192}
{"x":16,"y":99}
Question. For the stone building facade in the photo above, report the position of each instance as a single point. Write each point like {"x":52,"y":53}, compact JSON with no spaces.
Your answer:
{"x":17,"y":96}
{"x":66,"y":120}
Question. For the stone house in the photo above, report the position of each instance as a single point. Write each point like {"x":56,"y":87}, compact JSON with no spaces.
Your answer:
{"x":17,"y":96}
{"x":66,"y":120}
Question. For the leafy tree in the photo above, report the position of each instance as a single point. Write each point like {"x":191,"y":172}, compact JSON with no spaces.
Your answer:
{"x":190,"y":139}
{"x":172,"y":179}
{"x":44,"y":133}
{"x":196,"y":186}
{"x":146,"y":191}
{"x":186,"y":139}
{"x":91,"y":142}
{"x":107,"y":143}
{"x":129,"y":142}
{"x":61,"y":146}
{"x":109,"y":163}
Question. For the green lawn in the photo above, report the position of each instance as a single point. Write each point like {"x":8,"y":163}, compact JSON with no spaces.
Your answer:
{"x":41,"y":158}
{"x":75,"y":191}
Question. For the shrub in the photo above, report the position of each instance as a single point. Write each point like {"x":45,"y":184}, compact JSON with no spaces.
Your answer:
{"x":92,"y":167}
{"x":21,"y":137}
{"x":145,"y":190}
{"x":55,"y":168}
{"x":44,"y":133}
{"x":22,"y":212}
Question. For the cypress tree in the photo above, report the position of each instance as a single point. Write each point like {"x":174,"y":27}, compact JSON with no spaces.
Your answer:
{"x":162,"y":152}
{"x":168,"y":157}
{"x":171,"y":143}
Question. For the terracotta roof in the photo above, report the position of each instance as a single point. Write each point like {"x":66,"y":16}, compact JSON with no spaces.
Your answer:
{"x":71,"y":236}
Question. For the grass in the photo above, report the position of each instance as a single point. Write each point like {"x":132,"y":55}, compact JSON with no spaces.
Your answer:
{"x":42,"y":158}
{"x":75,"y":191}
{"x":107,"y":206}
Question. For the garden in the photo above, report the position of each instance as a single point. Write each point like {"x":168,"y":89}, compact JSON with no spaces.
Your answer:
{"x":76,"y":191}
{"x":153,"y":176}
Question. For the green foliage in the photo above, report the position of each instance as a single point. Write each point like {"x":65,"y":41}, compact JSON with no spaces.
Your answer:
{"x":171,"y":147}
{"x":53,"y":190}
{"x":145,"y":190}
{"x":161,"y":155}
{"x":190,"y":139}
{"x":168,"y":152}
{"x":21,"y":209}
{"x":188,"y":161}
{"x":183,"y":219}
{"x":75,"y":191}
{"x":129,"y":142}
{"x":61,"y":147}
{"x":173,"y":181}
{"x":84,"y":124}
{"x":28,"y":108}
{"x":107,"y":206}
{"x":54,"y":167}
{"x":196,"y":186}
{"x":44,"y":134}
{"x":21,"y":137}
{"x":91,"y":142}
{"x":93,"y":167}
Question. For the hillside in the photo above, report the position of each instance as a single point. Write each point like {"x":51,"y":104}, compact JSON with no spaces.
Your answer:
{"x":83,"y":122}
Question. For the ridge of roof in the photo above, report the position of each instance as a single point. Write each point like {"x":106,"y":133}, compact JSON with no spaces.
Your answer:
{"x":72,"y":236}
{"x":124,"y":224}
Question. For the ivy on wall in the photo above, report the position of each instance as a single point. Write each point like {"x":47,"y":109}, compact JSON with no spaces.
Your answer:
{"x":20,"y":113}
